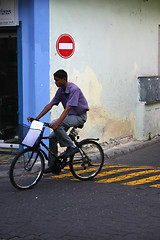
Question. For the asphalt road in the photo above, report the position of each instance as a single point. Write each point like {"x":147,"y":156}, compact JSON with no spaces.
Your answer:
{"x":122,"y":203}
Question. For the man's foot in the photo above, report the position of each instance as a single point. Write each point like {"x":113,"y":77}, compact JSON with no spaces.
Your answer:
{"x":70,"y":151}
{"x":55,"y":170}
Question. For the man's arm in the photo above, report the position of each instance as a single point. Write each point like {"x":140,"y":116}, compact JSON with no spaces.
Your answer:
{"x":61,"y":118}
{"x":44,"y":111}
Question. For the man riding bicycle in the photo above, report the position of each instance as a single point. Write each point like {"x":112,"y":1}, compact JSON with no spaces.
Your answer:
{"x":74,"y":114}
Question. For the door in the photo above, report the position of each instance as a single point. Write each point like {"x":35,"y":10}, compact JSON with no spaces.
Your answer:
{"x":8,"y":85}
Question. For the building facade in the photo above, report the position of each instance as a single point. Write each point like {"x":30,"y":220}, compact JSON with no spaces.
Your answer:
{"x":116,"y":48}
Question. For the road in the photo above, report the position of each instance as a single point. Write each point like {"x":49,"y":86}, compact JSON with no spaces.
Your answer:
{"x":121,"y":203}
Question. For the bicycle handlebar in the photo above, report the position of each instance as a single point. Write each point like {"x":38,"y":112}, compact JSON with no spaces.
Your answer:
{"x":32,"y":119}
{"x":45,"y":123}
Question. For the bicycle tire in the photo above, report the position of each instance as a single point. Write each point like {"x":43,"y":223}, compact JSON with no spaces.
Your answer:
{"x":26,"y":169}
{"x":87,"y":163}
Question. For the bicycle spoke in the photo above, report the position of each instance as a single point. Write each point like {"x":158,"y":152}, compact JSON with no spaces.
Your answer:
{"x":26,"y":169}
{"x":88,"y":162}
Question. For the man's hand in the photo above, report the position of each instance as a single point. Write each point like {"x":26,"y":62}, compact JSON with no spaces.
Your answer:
{"x":53,"y":126}
{"x":31,"y":118}
{"x":61,"y":118}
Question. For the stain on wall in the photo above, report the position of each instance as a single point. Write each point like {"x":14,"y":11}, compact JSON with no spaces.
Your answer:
{"x":111,"y":126}
{"x":100,"y":123}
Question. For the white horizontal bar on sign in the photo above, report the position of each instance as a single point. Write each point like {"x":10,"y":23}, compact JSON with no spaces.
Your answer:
{"x":65,"y":45}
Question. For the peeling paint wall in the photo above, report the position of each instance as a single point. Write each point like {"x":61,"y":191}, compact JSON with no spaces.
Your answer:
{"x":101,"y":122}
{"x":116,"y":41}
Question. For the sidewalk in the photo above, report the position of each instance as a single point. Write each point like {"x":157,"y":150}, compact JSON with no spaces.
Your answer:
{"x":131,"y":146}
{"x":110,"y":151}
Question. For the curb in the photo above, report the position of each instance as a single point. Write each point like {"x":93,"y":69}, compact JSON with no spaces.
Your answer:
{"x":129,"y":147}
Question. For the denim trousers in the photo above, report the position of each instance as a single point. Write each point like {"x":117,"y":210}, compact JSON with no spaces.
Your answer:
{"x":60,"y":135}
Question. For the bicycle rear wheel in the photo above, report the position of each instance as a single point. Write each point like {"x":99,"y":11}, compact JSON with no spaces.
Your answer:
{"x":88,"y":162}
{"x":26,"y":169}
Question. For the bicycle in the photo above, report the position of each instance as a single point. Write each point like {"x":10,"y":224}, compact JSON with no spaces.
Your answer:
{"x":27,"y":167}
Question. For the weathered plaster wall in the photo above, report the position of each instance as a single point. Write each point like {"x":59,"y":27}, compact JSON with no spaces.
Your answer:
{"x":116,"y":41}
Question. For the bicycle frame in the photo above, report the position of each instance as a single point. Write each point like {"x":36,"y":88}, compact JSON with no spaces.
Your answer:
{"x":40,"y":142}
{"x":47,"y":148}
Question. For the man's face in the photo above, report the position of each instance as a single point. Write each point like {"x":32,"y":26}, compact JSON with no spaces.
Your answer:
{"x":60,"y":82}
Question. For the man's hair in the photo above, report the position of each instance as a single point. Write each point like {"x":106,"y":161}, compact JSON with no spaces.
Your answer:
{"x":60,"y":74}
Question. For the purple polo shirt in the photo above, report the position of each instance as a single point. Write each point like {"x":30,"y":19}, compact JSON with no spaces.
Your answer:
{"x":72,"y":96}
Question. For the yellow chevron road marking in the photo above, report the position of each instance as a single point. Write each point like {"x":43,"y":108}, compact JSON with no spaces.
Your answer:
{"x":122,"y":169}
{"x":155,"y":185}
{"x":62,"y":175}
{"x":127,"y":176}
{"x":78,"y":172}
{"x":143,"y":181}
{"x":102,"y":174}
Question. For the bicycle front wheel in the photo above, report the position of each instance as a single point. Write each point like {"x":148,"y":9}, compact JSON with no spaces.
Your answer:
{"x":88,"y":162}
{"x":26,"y":169}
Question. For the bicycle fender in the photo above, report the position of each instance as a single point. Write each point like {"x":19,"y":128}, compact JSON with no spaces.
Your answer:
{"x":88,"y":139}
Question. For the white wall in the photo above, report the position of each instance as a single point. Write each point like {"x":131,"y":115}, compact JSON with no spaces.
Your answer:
{"x":116,"y":41}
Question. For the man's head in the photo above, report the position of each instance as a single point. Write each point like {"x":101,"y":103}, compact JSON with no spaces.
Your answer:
{"x":60,"y":78}
{"x":61,"y":74}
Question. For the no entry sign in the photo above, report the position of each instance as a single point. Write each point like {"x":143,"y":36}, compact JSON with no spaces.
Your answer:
{"x":65,"y":46}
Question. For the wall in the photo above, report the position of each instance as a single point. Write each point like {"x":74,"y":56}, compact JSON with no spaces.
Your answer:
{"x":34,"y":15}
{"x":116,"y":42}
{"x":147,"y":124}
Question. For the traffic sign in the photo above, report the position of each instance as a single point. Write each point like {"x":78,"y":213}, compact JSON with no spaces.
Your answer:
{"x":65,"y":46}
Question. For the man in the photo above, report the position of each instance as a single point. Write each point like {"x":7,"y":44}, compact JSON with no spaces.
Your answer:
{"x":74,"y":114}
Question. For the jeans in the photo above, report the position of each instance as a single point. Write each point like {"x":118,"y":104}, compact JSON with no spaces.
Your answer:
{"x":60,"y":135}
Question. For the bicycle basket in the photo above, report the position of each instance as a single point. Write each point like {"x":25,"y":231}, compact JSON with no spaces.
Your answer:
{"x":28,"y":135}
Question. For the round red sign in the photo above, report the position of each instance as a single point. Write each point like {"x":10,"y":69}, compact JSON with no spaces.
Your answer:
{"x":65,"y":46}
